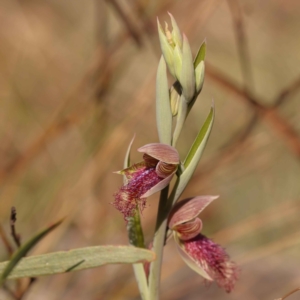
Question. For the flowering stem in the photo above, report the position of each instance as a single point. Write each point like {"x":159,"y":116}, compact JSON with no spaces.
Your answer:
{"x":165,"y":205}
{"x":158,"y":244}
{"x":136,"y":238}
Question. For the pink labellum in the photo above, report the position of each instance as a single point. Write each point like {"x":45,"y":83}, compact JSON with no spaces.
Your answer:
{"x":209,"y":260}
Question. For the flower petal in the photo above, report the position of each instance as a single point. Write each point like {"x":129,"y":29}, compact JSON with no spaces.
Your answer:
{"x":188,"y":230}
{"x":159,"y":186}
{"x":162,"y":152}
{"x":188,"y":209}
{"x":189,"y":261}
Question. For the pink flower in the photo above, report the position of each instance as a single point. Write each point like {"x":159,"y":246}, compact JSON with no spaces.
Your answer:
{"x":146,"y":178}
{"x":201,"y":254}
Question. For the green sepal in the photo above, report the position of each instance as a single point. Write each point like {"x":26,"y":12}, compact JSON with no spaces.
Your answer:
{"x":166,"y":48}
{"x":177,"y":62}
{"x":187,"y":77}
{"x":176,"y":34}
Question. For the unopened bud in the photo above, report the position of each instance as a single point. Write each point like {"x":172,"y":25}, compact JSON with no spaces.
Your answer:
{"x":174,"y":99}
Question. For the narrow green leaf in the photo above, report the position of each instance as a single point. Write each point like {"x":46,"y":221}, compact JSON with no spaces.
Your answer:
{"x":187,"y":76}
{"x":22,"y":251}
{"x":200,"y":55}
{"x":199,"y":144}
{"x":77,"y":259}
{"x":163,"y":108}
{"x":195,"y":153}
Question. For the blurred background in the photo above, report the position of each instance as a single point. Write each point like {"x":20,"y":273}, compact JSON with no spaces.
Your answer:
{"x":77,"y":80}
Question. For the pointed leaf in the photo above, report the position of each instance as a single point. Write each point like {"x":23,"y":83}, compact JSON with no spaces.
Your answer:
{"x":163,"y":108}
{"x":195,"y":153}
{"x":199,"y":144}
{"x":22,"y":251}
{"x":200,"y":55}
{"x":78,"y":259}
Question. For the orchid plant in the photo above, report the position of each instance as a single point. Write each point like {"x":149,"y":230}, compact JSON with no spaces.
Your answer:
{"x":160,"y":170}
{"x":161,"y":163}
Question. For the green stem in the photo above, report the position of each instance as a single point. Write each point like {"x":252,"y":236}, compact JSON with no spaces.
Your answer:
{"x":136,"y":238}
{"x":141,"y":279}
{"x":165,"y":205}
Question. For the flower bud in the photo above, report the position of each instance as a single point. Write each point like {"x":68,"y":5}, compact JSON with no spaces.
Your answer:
{"x":174,"y":100}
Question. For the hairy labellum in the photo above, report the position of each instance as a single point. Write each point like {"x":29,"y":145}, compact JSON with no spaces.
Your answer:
{"x":128,"y":198}
{"x":213,"y":260}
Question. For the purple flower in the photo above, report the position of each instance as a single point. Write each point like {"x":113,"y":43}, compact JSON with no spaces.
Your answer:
{"x":145,"y":178}
{"x":201,"y":254}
